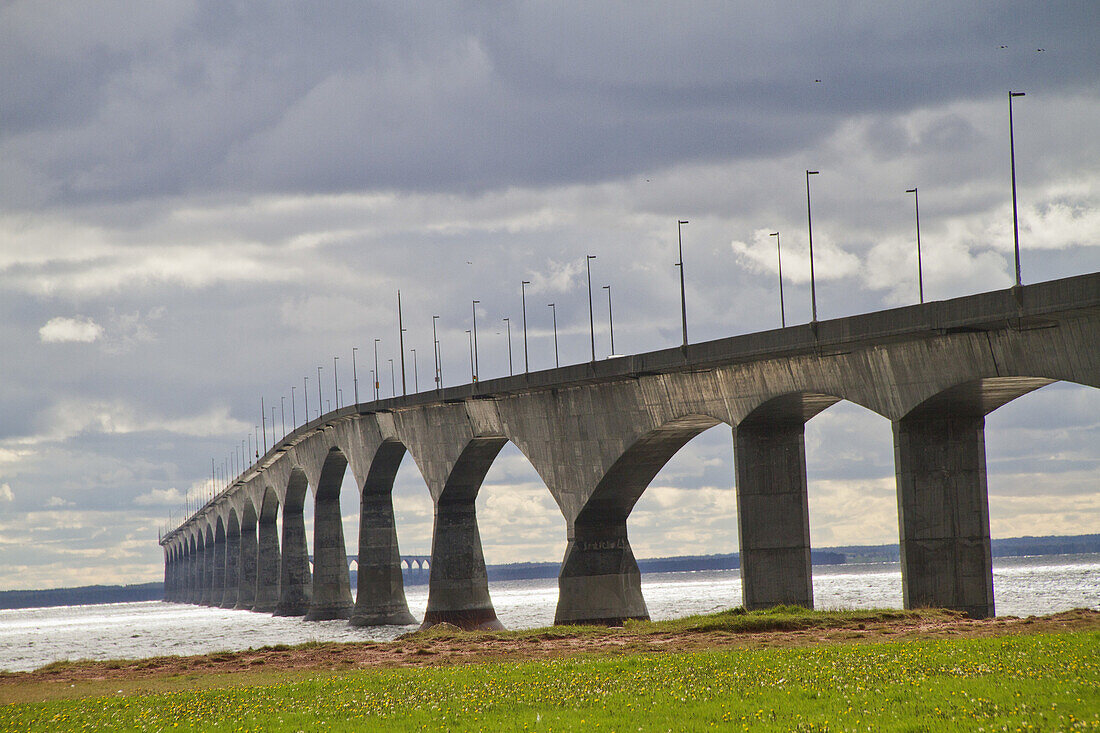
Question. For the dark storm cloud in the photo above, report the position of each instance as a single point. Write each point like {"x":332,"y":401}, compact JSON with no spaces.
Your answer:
{"x":102,"y":102}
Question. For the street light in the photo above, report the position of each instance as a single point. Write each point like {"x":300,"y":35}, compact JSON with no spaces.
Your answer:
{"x":336,"y":382}
{"x":920,"y":269}
{"x":1015,"y":215}
{"x":473,"y":375}
{"x":779,"y":256}
{"x":282,"y":412}
{"x":523,"y":301}
{"x":263,"y":421}
{"x":554,"y":310}
{"x":591,"y":319}
{"x":680,"y":264}
{"x":320,"y":401}
{"x":508,"y":323}
{"x":293,"y":411}
{"x":354,"y":376}
{"x":610,"y":319}
{"x":435,"y":347}
{"x":305,"y":395}
{"x":810,"y":227}
{"x":477,"y":365}
{"x":401,"y":344}
{"x":377,"y":374}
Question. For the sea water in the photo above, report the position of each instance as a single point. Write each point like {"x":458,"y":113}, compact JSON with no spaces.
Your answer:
{"x":31,"y":638}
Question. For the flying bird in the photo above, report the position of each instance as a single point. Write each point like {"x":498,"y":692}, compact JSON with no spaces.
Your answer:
{"x":1040,"y":49}
{"x":1004,"y":46}
{"x":817,"y":81}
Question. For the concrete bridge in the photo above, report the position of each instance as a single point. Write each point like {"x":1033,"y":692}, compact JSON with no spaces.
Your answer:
{"x":597,"y":433}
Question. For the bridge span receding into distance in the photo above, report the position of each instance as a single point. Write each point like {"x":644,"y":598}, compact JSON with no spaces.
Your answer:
{"x":598,"y":432}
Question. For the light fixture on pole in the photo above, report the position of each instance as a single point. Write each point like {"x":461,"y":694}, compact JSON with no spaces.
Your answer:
{"x":477,"y":365}
{"x":263,"y":421}
{"x":377,"y":374}
{"x":1015,"y":214}
{"x":282,"y":413}
{"x":336,"y":382}
{"x":680,"y":264}
{"x":779,"y":258}
{"x":435,"y":348}
{"x":401,"y":343}
{"x":591,"y":318}
{"x":305,"y":396}
{"x":508,"y":323}
{"x":810,"y":228}
{"x":293,"y":411}
{"x":354,"y":376}
{"x":523,"y":302}
{"x":610,"y":319}
{"x":920,"y":268}
{"x":320,"y":400}
{"x":554,"y":310}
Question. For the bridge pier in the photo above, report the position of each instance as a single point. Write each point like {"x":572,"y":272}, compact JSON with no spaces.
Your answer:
{"x":246,"y":587}
{"x":267,"y":566}
{"x":599,"y":582}
{"x":295,"y":585}
{"x":207,"y":571}
{"x":194,"y":571}
{"x":331,"y":583}
{"x":773,"y":518}
{"x":217,"y":584}
{"x":232,"y":566}
{"x":458,"y":587}
{"x":380,"y":589}
{"x":943,"y":512}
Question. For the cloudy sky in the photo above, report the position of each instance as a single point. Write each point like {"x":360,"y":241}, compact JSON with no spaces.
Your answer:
{"x":202,"y":202}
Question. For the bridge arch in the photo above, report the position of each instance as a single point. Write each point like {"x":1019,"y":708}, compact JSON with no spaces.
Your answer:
{"x":232,"y":559}
{"x":331,"y":598}
{"x":268,"y":556}
{"x":295,"y":579}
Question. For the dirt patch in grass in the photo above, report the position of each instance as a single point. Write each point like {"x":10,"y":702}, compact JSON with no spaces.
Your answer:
{"x":789,"y":627}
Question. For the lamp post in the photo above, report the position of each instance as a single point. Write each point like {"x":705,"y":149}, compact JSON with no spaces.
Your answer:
{"x":282,"y":412}
{"x":416,"y":377}
{"x":523,"y":302}
{"x":810,"y":227}
{"x":1015,"y":214}
{"x":336,"y":382}
{"x":554,"y":310}
{"x":435,"y":350}
{"x":293,"y":411}
{"x":305,"y":396}
{"x":401,"y":344}
{"x":320,"y":400}
{"x":610,"y":319}
{"x":477,"y":366}
{"x":377,"y":374}
{"x":920,"y":268}
{"x":250,"y":445}
{"x":273,"y":426}
{"x":779,"y":258}
{"x":473,"y":375}
{"x":680,"y":264}
{"x":256,"y":430}
{"x":354,"y":376}
{"x":508,"y":323}
{"x":263,"y":422}
{"x":591,"y":318}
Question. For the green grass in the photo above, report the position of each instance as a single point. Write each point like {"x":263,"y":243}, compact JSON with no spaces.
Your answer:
{"x":1029,"y":682}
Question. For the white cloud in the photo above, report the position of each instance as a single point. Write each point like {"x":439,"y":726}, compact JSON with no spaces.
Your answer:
{"x":56,"y":501}
{"x":61,"y":330}
{"x":160,"y":497}
{"x":5,"y":493}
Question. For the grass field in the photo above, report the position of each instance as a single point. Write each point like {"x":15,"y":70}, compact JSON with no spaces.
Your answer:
{"x":1043,"y":681}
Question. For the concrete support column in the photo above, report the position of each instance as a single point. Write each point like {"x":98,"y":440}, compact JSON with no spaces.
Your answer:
{"x":207,"y":576}
{"x":599,"y":581}
{"x":232,"y":569}
{"x":267,"y":567}
{"x":943,"y":512}
{"x":773,"y":518}
{"x":194,"y":572}
{"x":380,"y":589}
{"x":331,"y":584}
{"x":217,"y":584}
{"x":295,"y":585}
{"x":246,"y":585}
{"x":166,"y":590}
{"x":458,"y":588}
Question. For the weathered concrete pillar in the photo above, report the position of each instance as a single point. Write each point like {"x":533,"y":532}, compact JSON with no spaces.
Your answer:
{"x":380,"y":589}
{"x":217,"y":585}
{"x":599,"y":582}
{"x":458,"y":587}
{"x":166,"y":589}
{"x":773,"y":518}
{"x":943,"y":512}
{"x":207,"y":572}
{"x":194,"y":572}
{"x":232,"y":567}
{"x":267,"y":567}
{"x":331,"y":584}
{"x":246,"y":586}
{"x":295,"y":584}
